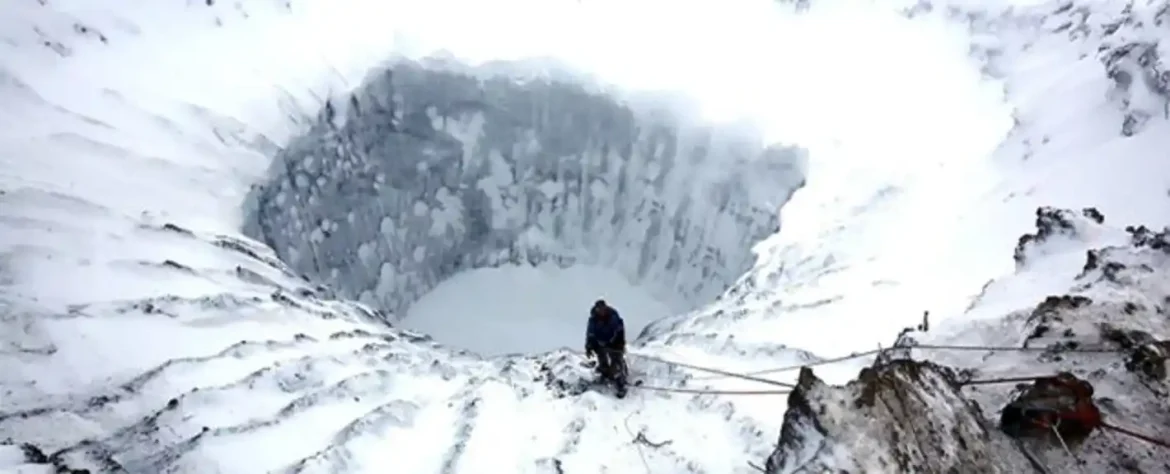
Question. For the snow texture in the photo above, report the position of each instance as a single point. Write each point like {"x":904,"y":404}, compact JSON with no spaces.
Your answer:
{"x":24,"y":459}
{"x":875,"y":424}
{"x":143,"y":331}
{"x":1116,"y":302}
{"x":425,"y":172}
{"x":521,"y":308}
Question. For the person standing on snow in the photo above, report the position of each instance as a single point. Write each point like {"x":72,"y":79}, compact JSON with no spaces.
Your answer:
{"x":605,"y":336}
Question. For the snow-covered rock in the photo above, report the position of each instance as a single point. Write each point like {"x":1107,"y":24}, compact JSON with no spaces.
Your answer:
{"x":913,"y":414}
{"x":902,"y":416}
{"x":1050,"y":224}
{"x":25,"y":459}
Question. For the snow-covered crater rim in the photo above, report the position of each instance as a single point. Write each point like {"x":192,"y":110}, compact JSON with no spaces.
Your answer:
{"x":424,"y":172}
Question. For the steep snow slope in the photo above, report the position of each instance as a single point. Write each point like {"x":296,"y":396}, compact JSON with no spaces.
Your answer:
{"x":928,"y":239}
{"x":142,"y":333}
{"x":424,"y":173}
{"x":427,"y":171}
{"x":1089,"y":89}
{"x":131,"y":344}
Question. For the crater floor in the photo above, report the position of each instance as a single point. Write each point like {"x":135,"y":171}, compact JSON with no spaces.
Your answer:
{"x":523,"y":309}
{"x":432,"y":168}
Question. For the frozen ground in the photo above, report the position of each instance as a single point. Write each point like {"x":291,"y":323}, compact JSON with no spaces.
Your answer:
{"x":142,"y":331}
{"x":519,"y":309}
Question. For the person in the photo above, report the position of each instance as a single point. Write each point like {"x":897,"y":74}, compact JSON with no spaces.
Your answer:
{"x":605,"y":337}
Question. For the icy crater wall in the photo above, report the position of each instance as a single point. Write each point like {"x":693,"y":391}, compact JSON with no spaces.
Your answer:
{"x":425,"y":171}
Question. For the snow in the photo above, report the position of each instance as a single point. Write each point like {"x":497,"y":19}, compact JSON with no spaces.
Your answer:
{"x":141,"y":331}
{"x":522,"y":309}
{"x":928,"y":236}
{"x":672,"y":205}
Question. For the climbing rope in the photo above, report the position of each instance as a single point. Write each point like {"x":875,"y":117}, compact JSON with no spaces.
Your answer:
{"x":705,"y":391}
{"x":634,"y":439}
{"x":711,"y":391}
{"x":1146,"y":438}
{"x":1091,"y":350}
{"x":640,"y":439}
{"x":723,"y":373}
{"x":858,"y":355}
{"x":637,"y":440}
{"x":1055,"y":428}
{"x":787,"y":368}
{"x":1002,"y":380}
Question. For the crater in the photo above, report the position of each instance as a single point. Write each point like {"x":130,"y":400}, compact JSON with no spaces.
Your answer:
{"x":428,"y":171}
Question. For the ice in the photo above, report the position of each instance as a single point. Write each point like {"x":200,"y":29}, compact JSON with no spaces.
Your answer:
{"x":524,"y":309}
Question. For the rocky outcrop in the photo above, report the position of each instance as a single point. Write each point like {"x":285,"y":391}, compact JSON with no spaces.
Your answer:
{"x":1125,"y":38}
{"x":1134,"y":62}
{"x":908,"y":414}
{"x":428,"y":171}
{"x":1150,"y":360}
{"x":904,"y":416}
{"x":29,"y":459}
{"x":1052,"y":222}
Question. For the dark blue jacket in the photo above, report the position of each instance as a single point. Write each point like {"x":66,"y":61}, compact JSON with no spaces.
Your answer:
{"x":607,"y":334}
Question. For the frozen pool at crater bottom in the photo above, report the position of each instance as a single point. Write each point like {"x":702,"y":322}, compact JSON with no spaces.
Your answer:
{"x":526,"y":309}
